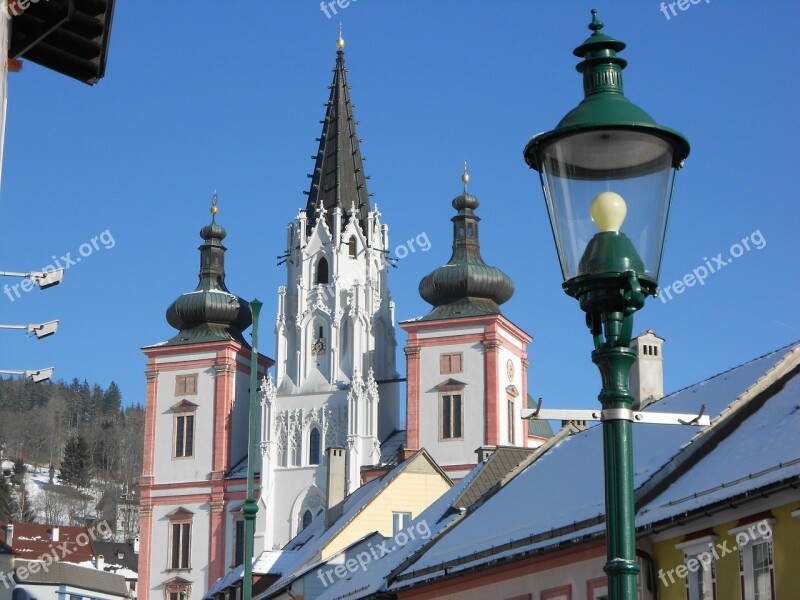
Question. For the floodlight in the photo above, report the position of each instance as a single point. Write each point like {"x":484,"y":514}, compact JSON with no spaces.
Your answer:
{"x":45,"y":329}
{"x":46,"y":279}
{"x":40,"y":375}
{"x":35,"y":375}
{"x":40,"y":330}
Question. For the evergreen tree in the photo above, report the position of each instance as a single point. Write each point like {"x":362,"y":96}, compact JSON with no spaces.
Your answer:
{"x":8,"y":505}
{"x":76,"y":466}
{"x":19,"y":471}
{"x":112,"y":400}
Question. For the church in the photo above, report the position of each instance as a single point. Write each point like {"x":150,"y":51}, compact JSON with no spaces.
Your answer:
{"x":335,"y":382}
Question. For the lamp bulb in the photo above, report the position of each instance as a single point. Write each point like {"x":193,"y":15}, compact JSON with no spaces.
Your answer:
{"x":608,"y":210}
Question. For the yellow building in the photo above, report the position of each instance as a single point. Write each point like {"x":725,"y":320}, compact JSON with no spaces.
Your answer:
{"x":348,"y":533}
{"x":748,"y":556}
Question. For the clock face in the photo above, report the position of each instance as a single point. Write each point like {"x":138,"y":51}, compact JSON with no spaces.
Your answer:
{"x":510,"y":369}
{"x":318,"y":347}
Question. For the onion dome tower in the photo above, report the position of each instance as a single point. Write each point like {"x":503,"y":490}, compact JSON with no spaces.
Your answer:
{"x":466,"y":286}
{"x":210,"y":313}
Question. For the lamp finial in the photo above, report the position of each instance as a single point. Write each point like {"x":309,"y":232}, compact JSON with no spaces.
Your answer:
{"x":596,"y":25}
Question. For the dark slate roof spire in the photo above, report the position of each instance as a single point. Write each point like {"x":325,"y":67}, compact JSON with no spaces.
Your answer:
{"x":466,"y":286}
{"x":210,"y":313}
{"x":338,"y":178}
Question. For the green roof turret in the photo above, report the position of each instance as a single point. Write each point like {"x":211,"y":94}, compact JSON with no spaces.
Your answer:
{"x":466,"y":286}
{"x":209,"y":313}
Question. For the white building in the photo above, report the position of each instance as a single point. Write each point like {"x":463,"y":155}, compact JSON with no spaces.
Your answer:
{"x":196,"y":432}
{"x":466,"y":363}
{"x":336,"y":382}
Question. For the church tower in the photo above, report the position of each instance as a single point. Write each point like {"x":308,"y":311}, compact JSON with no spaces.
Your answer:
{"x":466,"y":362}
{"x":196,"y":430}
{"x":335,"y":382}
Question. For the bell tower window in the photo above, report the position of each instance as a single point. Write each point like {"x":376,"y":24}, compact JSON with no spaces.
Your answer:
{"x":313,"y":447}
{"x":322,"y":271}
{"x":351,"y":247}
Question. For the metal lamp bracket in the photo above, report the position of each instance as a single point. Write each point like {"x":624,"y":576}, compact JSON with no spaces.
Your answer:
{"x":615,"y":414}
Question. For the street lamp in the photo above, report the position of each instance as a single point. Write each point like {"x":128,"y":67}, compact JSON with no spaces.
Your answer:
{"x":250,"y":508}
{"x":42,"y":330}
{"x":607,"y":171}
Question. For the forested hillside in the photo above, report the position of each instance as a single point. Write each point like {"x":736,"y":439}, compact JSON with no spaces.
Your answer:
{"x":93,"y":443}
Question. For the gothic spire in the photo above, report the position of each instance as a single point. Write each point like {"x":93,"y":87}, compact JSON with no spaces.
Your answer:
{"x":210,"y":313}
{"x":466,"y":286}
{"x":338,"y":178}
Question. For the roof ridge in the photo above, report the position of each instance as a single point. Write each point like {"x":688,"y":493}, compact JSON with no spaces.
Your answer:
{"x":709,"y":378}
{"x":705,"y":440}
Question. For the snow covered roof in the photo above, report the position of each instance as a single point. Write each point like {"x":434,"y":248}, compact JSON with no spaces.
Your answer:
{"x":741,"y":463}
{"x":432,"y":523}
{"x":72,"y":575}
{"x":34,"y":541}
{"x":309,"y":543}
{"x":574,"y":507}
{"x":390,"y":447}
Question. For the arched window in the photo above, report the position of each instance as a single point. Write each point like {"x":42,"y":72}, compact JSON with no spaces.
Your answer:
{"x":307,"y":516}
{"x":322,"y":271}
{"x":313,"y":447}
{"x":351,"y":246}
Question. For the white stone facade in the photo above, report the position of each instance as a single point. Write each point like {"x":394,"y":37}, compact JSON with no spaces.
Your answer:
{"x":334,"y":342}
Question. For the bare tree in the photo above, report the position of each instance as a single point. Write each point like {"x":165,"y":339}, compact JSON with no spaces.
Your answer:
{"x":53,"y":506}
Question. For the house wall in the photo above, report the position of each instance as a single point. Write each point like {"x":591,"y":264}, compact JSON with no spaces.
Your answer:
{"x":59,"y":591}
{"x":411,"y":491}
{"x":6,"y":568}
{"x":786,"y":544}
{"x":571,"y":574}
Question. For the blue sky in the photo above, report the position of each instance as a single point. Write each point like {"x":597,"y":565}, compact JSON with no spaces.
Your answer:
{"x":231,"y":99}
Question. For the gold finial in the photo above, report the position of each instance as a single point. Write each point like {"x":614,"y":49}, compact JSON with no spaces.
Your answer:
{"x":214,"y":208}
{"x":465,"y":176}
{"x":340,"y":41}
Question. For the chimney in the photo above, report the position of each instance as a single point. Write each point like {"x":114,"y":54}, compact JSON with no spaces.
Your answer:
{"x":101,"y":562}
{"x":485,"y":452}
{"x":336,"y":480}
{"x":10,"y":534}
{"x":136,"y":544}
{"x":54,"y":534}
{"x":647,"y":373}
{"x":404,"y":454}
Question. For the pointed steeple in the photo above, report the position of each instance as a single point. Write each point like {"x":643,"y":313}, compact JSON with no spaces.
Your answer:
{"x":210,"y":313}
{"x":338,"y":178}
{"x":466,"y":286}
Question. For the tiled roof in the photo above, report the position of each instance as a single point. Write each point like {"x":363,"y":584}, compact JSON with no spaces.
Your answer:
{"x":34,"y":540}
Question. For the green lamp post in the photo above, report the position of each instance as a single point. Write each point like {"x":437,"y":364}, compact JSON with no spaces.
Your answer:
{"x":607,"y":171}
{"x":250,"y":509}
